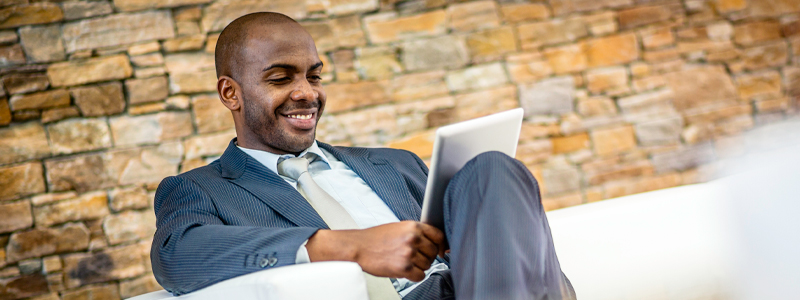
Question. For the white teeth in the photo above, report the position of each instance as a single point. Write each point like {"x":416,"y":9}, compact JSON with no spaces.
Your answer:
{"x":301,"y":117}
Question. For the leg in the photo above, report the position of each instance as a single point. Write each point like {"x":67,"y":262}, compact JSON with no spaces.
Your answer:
{"x":500,"y":241}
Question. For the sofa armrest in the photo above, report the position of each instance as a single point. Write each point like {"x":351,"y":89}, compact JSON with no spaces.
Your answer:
{"x":321,"y":280}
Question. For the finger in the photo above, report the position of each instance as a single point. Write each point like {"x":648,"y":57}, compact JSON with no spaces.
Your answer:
{"x":432,"y":233}
{"x":427,"y":247}
{"x":417,"y":273}
{"x":421,"y":261}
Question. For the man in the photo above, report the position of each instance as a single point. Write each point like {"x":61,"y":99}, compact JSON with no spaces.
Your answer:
{"x":254,"y":209}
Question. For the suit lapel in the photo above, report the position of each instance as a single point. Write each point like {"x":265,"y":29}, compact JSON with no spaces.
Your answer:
{"x":381,"y":177}
{"x":249,"y":174}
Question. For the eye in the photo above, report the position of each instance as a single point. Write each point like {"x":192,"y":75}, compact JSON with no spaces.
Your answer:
{"x":280,"y":80}
{"x":314,"y":78}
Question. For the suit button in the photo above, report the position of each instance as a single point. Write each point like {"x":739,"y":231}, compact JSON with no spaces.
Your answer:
{"x":264,"y":262}
{"x":272,"y":261}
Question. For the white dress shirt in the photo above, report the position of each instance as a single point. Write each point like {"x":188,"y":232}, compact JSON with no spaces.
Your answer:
{"x":352,"y":192}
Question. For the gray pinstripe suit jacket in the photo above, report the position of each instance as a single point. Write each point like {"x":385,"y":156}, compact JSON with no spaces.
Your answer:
{"x":235,"y":216}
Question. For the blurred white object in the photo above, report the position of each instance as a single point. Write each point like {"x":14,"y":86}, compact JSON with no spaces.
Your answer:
{"x":322,"y":280}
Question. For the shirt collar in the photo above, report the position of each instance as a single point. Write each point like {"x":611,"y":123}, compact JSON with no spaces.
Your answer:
{"x":270,"y":160}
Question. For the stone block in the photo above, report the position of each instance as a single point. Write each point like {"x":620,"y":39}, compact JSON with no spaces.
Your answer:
{"x":347,"y":96}
{"x":220,"y":13}
{"x":521,"y":12}
{"x":716,"y":113}
{"x":207,"y":145}
{"x":491,"y":44}
{"x":442,"y":52}
{"x":187,"y":28}
{"x":699,"y":86}
{"x":772,"y":105}
{"x":24,"y":286}
{"x":760,"y":85}
{"x":42,"y":44}
{"x":772,"y":8}
{"x":596,"y":106}
{"x":348,"y":32}
{"x":377,"y":62}
{"x":545,"y":33}
{"x":528,"y":67}
{"x":184,"y":43}
{"x":26,"y":115}
{"x":420,"y":144}
{"x":95,"y":292}
{"x":570,"y":143}
{"x":87,"y":172}
{"x":143,"y":48}
{"x":561,"y":201}
{"x":99,"y":100}
{"x":128,"y":198}
{"x":563,"y":7}
{"x":40,"y":100}
{"x":726,"y":6}
{"x":8,"y":36}
{"x":473,"y":105}
{"x":23,"y":142}
{"x":534,"y":152}
{"x":30,"y":14}
{"x":417,"y":86}
{"x":25,"y":83}
{"x":147,"y":129}
{"x":51,"y":264}
{"x":766,"y":56}
{"x":15,"y":216}
{"x":210,"y":115}
{"x":198,"y":82}
{"x":344,"y":7}
{"x":684,"y":158}
{"x":42,"y":241}
{"x":117,"y":30}
{"x":91,"y":70}
{"x":601,"y":23}
{"x":388,"y":27}
{"x":560,"y":178}
{"x":78,"y":135}
{"x":476,"y":77}
{"x":661,"y":131}
{"x":652,"y":39}
{"x":612,"y":50}
{"x":5,"y":112}
{"x":146,"y":90}
{"x":567,"y":59}
{"x":57,"y":114}
{"x":74,"y":10}
{"x":138,"y":286}
{"x":643,"y":15}
{"x":134,"y":5}
{"x":550,"y":96}
{"x":129,"y":226}
{"x":43,"y":199}
{"x":470,"y":16}
{"x":609,"y":141}
{"x":371,"y":126}
{"x":751,"y":33}
{"x":607,"y":79}
{"x":616,"y":170}
{"x":88,"y":206}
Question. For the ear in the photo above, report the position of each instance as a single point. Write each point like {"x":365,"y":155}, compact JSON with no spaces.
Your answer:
{"x":230,"y":93}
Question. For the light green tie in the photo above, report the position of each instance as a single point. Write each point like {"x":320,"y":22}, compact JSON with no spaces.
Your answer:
{"x":337,"y":218}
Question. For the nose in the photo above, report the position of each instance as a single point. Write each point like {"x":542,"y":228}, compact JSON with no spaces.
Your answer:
{"x":304,"y":91}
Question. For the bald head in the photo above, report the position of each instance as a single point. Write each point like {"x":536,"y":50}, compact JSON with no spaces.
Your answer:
{"x":233,"y":41}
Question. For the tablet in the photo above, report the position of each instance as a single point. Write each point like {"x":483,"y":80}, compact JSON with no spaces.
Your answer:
{"x":457,"y":144}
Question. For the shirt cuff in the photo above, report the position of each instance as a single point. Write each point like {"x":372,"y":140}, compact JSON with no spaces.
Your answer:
{"x":302,"y":254}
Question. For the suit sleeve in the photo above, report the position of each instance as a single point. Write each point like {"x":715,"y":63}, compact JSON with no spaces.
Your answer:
{"x":192,"y":247}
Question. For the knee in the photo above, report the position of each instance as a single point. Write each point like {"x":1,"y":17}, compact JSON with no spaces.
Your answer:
{"x":495,"y":160}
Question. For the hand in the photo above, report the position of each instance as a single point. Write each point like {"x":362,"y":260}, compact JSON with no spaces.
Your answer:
{"x":403,"y":249}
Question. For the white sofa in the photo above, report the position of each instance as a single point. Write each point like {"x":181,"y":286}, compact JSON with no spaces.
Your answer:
{"x":732,"y":238}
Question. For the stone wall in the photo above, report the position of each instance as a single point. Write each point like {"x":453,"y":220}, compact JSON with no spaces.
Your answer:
{"x":101,"y":100}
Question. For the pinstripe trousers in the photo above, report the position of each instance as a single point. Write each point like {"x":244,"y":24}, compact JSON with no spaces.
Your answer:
{"x":501,"y":246}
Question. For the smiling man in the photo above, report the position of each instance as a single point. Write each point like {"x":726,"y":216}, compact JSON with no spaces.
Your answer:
{"x":278,"y":197}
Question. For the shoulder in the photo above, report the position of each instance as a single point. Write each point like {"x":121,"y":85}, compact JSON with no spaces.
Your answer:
{"x":384,"y":153}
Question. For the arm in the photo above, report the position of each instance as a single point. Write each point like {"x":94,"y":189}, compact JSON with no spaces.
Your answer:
{"x":403,"y":249}
{"x":193,"y":248}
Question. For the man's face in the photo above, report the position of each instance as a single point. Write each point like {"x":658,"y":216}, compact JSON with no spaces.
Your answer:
{"x":281,"y":89}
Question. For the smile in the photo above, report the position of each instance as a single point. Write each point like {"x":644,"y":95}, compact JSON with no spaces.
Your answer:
{"x":301,"y":117}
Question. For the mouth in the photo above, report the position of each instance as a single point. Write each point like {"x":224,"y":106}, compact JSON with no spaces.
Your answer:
{"x":301,"y":120}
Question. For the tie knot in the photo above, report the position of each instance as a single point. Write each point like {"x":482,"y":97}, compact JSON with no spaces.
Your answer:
{"x":294,"y":167}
